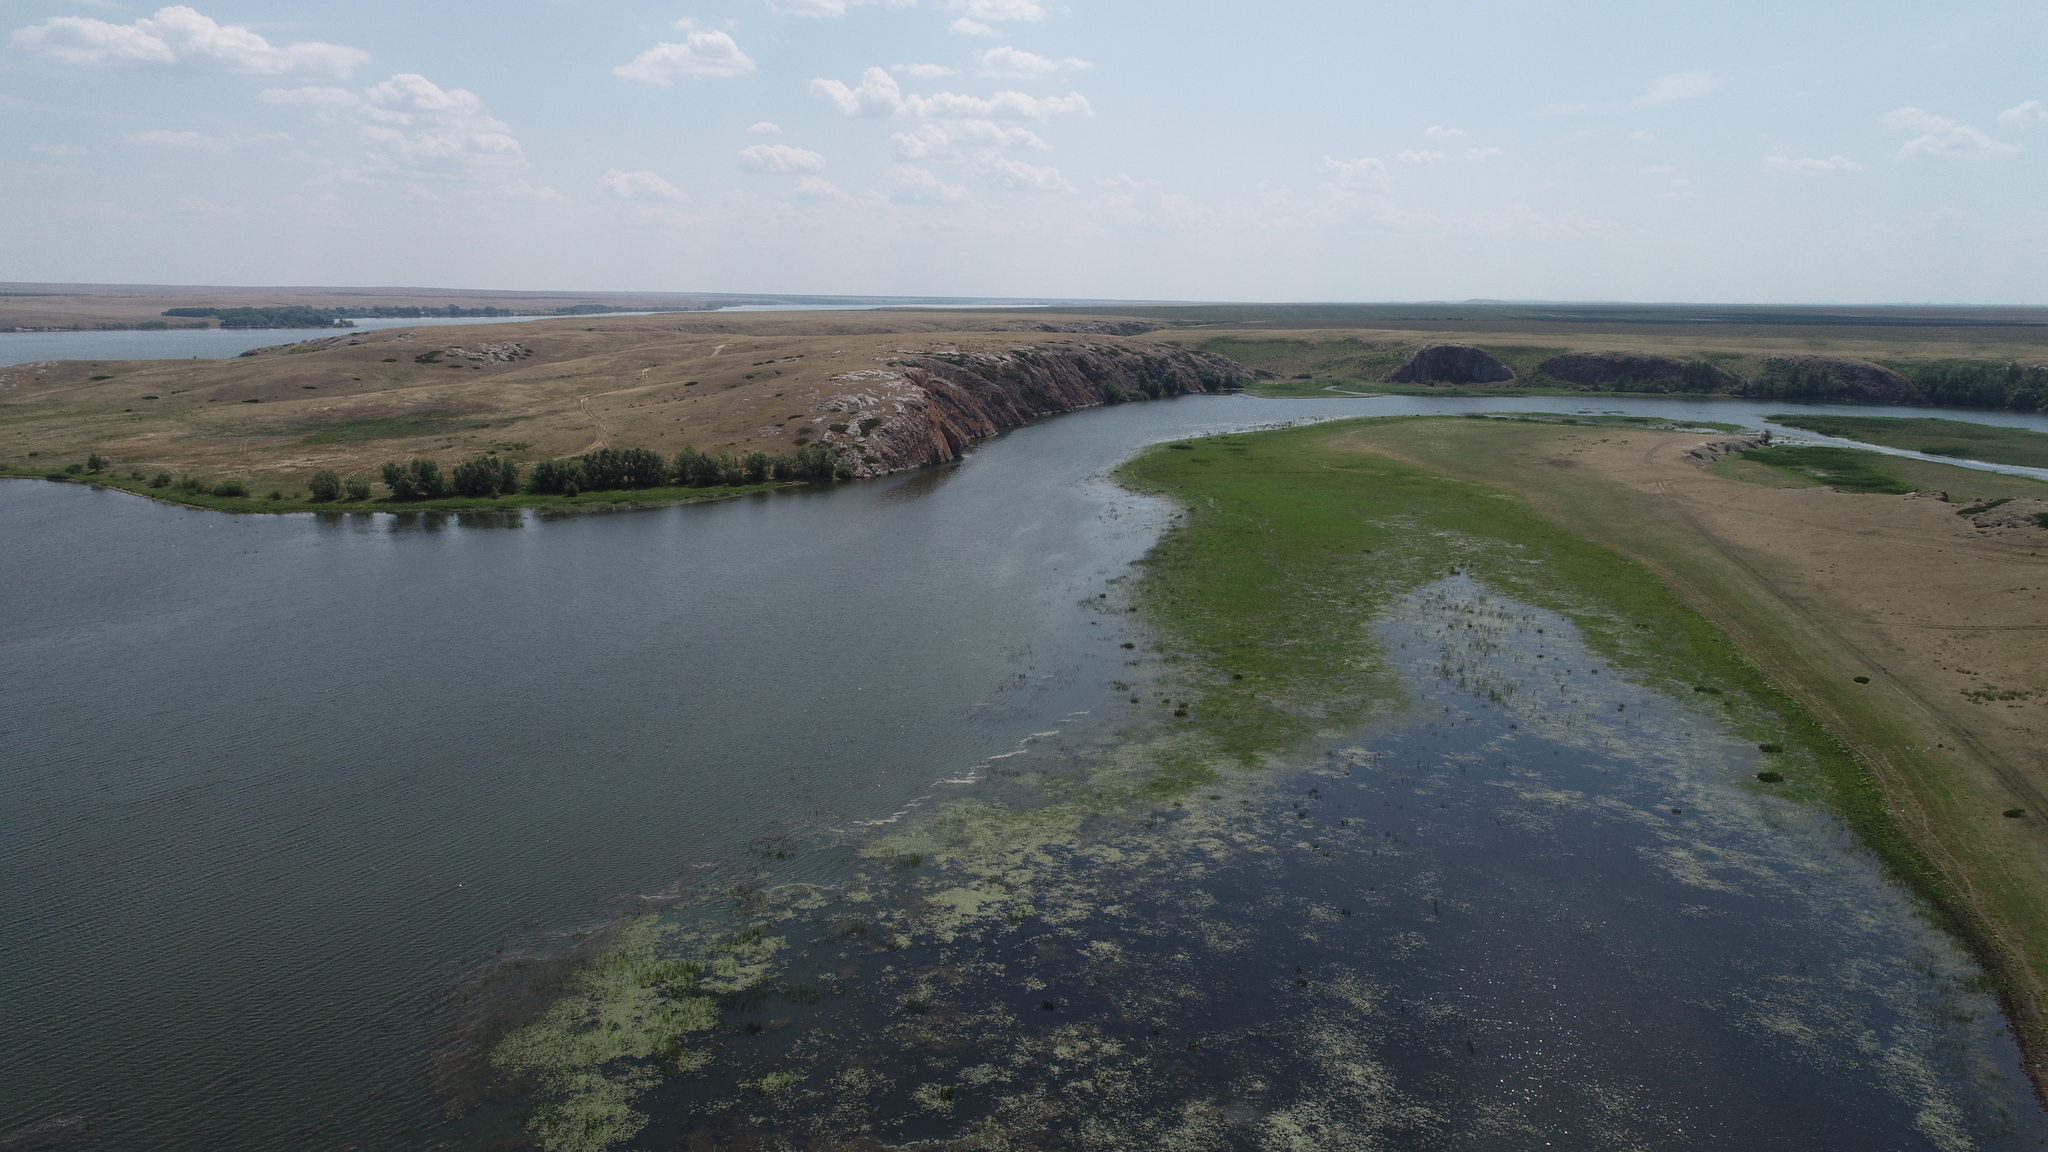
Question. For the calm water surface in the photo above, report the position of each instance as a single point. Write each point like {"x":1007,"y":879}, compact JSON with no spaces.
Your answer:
{"x":268,"y":783}
{"x":206,"y":343}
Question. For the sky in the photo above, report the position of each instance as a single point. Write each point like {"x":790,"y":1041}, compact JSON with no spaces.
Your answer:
{"x":1822,"y":152}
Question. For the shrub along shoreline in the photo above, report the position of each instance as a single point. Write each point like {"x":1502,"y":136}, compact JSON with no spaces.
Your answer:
{"x":607,"y":477}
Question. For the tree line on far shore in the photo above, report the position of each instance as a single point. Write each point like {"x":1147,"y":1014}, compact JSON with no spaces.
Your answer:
{"x":1949,"y":383}
{"x":605,"y":470}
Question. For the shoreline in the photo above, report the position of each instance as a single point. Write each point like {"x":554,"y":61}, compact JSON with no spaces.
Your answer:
{"x":1261,"y":615}
{"x":609,"y":501}
{"x":1917,"y":807}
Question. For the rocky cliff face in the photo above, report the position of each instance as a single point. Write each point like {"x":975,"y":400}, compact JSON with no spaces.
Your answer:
{"x":925,"y":409}
{"x":1451,"y":364}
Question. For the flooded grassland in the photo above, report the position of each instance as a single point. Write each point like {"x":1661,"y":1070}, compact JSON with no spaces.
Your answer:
{"x":1416,"y":824}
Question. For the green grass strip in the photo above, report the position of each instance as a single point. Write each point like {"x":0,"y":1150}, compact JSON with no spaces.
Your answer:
{"x":1264,"y":591}
{"x":1960,"y":438}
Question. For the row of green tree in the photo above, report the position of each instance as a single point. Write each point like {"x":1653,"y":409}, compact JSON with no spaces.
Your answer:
{"x":1947,"y":383}
{"x":605,"y":470}
{"x":288,"y":316}
{"x":1695,"y":377}
{"x":1962,"y":384}
{"x":609,"y":469}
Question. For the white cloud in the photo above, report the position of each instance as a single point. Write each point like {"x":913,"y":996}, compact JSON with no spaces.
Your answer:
{"x":780,"y":158}
{"x":1001,"y":106}
{"x":1413,"y":157}
{"x":765,"y":128}
{"x":925,"y":71}
{"x":1440,"y":130}
{"x":312,"y":97}
{"x":1483,"y":153}
{"x":165,"y":138}
{"x":828,"y":7}
{"x":637,"y":185}
{"x":2028,"y":113}
{"x":701,"y":54}
{"x":965,"y":27}
{"x":1017,"y":174}
{"x":1015,"y":64}
{"x":1785,"y":162}
{"x":414,"y":125}
{"x":181,"y":35}
{"x":818,"y":188}
{"x":999,"y":11}
{"x":933,"y":139}
{"x":1365,"y":174}
{"x":418,"y":124}
{"x":1680,"y":86}
{"x":880,"y":95}
{"x":1940,"y":136}
{"x":915,"y":184}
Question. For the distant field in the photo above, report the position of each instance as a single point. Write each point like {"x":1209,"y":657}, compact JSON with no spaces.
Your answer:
{"x":1935,"y":437}
{"x":770,"y":382}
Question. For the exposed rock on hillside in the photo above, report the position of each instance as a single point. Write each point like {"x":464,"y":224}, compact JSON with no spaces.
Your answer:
{"x":1713,"y":450}
{"x":1451,"y":364}
{"x":924,"y":409}
{"x":2002,"y":517}
{"x":1864,"y":381}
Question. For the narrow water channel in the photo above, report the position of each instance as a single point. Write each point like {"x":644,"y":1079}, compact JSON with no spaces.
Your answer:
{"x":271,"y":785}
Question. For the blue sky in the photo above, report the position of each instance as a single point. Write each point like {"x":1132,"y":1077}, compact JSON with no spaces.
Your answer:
{"x":1823,"y":152}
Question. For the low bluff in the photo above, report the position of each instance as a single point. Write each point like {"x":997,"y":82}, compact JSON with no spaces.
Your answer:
{"x":1452,"y":364}
{"x":926,"y":409}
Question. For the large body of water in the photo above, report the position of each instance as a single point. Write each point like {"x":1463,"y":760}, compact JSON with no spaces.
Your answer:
{"x":198,"y":343}
{"x":270,"y":782}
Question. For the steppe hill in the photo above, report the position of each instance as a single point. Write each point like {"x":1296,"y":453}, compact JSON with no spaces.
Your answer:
{"x":894,"y":389}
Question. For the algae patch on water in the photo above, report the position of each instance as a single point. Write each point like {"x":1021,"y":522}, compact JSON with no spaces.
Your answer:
{"x":1436,"y":846}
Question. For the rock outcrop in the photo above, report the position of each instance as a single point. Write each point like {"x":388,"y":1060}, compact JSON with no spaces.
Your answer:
{"x":926,"y":409}
{"x":1713,"y":450}
{"x":1451,"y":364}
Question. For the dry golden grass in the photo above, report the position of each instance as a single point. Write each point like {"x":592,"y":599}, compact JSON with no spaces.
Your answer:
{"x":762,"y":380}
{"x":350,"y":401}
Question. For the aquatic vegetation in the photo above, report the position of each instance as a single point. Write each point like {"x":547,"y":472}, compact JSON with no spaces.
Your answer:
{"x":1315,"y":908}
{"x":628,"y":1021}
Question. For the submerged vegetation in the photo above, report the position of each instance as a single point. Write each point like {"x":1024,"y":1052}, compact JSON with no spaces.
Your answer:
{"x":1147,"y":937}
